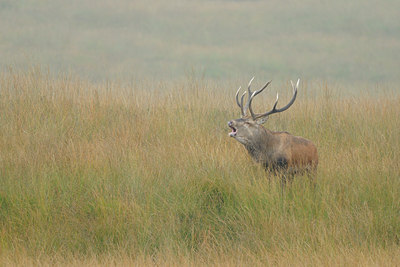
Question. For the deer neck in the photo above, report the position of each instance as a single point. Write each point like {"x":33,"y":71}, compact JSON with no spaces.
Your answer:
{"x":261,"y":145}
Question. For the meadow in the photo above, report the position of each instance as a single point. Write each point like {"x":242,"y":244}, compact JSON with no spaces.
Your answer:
{"x":116,"y":174}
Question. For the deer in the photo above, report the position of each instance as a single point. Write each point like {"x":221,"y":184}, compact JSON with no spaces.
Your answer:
{"x":276,"y":151}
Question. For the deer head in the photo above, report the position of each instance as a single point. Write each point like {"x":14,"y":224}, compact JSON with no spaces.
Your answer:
{"x":248,"y":129}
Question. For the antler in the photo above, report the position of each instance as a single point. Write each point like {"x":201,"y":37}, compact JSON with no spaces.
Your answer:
{"x":251,"y":95}
{"x":274,"y":109}
{"x":241,"y":101}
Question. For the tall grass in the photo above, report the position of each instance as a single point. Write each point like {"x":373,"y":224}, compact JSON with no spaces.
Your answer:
{"x":112,"y":174}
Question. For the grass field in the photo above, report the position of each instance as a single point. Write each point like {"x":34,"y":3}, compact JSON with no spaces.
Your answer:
{"x":101,"y":174}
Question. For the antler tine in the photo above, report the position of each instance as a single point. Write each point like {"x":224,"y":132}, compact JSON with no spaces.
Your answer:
{"x":236,"y":96}
{"x":297,"y":85}
{"x":274,"y":109}
{"x":248,"y":87}
{"x":254,"y":94}
{"x":241,"y":104}
{"x":241,"y":100}
{"x":250,"y":93}
{"x":276,"y":101}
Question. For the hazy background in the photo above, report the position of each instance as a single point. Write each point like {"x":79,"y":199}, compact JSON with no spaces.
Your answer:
{"x":342,"y":41}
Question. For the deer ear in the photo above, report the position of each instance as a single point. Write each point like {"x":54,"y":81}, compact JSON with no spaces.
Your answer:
{"x":262,"y":120}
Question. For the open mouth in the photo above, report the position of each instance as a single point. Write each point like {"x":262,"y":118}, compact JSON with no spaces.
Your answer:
{"x":233,"y":133}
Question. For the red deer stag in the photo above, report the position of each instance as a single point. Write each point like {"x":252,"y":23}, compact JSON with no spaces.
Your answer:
{"x":274,"y":150}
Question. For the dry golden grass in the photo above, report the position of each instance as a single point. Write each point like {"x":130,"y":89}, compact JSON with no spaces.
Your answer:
{"x":146,"y":174}
{"x":340,"y":257}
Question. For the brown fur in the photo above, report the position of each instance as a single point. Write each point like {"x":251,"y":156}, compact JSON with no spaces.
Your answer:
{"x":275,"y":150}
{"x":300,"y":152}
